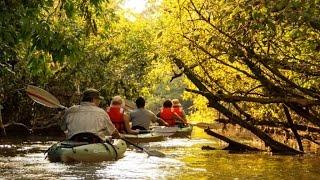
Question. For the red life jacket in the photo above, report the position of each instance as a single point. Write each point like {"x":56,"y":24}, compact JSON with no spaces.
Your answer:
{"x":167,"y":115}
{"x":178,"y":110}
{"x":116,"y":115}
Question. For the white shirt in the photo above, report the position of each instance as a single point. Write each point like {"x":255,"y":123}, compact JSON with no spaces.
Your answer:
{"x":87,"y":117}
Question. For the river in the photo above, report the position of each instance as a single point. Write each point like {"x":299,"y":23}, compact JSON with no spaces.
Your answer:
{"x":25,"y":159}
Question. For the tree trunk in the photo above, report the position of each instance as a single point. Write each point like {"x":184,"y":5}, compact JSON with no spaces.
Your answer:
{"x":293,"y":127}
{"x":214,"y":102}
{"x":233,"y":145}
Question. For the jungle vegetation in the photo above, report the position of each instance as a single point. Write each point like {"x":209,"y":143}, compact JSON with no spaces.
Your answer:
{"x":255,"y":62}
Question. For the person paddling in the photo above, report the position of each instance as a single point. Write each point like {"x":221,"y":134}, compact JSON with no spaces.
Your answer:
{"x":172,"y":113}
{"x":141,"y":118}
{"x":166,"y":113}
{"x":87,"y":120}
{"x":119,"y":117}
{"x":179,"y":112}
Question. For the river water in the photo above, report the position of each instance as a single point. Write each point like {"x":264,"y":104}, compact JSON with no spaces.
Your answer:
{"x":25,"y":159}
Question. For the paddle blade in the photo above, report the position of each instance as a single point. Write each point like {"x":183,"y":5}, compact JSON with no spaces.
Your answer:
{"x":129,"y":105}
{"x":43,"y":97}
{"x":154,"y":153}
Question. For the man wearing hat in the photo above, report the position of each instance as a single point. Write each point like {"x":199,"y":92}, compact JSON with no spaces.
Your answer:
{"x":88,"y":118}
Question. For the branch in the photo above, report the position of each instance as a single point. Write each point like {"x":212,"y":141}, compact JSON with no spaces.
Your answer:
{"x":6,"y":68}
{"x":274,"y":123}
{"x":292,"y":127}
{"x":276,"y":72}
{"x":300,"y":101}
{"x":217,"y":59}
{"x":176,"y":75}
{"x":196,"y":91}
{"x":230,"y":98}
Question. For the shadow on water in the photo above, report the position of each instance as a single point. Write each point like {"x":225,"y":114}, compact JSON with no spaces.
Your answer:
{"x":25,"y":159}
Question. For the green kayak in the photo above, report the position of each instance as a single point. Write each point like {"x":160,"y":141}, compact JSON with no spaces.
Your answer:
{"x":183,"y":131}
{"x":70,"y":151}
{"x":145,"y":138}
{"x":174,"y":131}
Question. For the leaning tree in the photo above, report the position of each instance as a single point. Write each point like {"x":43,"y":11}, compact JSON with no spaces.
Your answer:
{"x":260,"y":57}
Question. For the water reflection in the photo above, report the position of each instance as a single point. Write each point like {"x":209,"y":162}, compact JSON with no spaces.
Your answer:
{"x":184,"y":160}
{"x":139,"y":166}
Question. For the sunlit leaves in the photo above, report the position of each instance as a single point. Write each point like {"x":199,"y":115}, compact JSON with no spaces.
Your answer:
{"x":209,"y":37}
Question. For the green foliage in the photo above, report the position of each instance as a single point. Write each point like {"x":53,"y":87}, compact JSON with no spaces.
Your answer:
{"x":211,"y":37}
{"x":47,"y":43}
{"x":68,"y":45}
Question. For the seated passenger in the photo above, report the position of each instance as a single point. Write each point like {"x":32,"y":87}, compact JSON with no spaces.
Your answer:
{"x":88,"y":118}
{"x":141,"y":118}
{"x":166,"y":113}
{"x":179,"y":112}
{"x":118,"y":116}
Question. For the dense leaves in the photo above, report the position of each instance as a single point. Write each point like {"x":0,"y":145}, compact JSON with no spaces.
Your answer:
{"x":67,"y":46}
{"x":249,"y":57}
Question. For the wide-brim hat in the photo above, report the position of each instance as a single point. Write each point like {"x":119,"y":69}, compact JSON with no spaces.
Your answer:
{"x":175,"y":102}
{"x":92,"y":93}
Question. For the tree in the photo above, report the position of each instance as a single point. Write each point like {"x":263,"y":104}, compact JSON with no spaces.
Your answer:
{"x":249,"y":54}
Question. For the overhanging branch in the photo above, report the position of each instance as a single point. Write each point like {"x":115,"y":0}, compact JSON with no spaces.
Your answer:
{"x":261,"y":100}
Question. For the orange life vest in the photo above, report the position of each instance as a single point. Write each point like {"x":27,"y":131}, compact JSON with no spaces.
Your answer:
{"x":178,"y":110}
{"x":167,"y":115}
{"x":116,"y":115}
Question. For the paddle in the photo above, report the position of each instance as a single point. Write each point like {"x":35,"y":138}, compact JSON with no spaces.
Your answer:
{"x":149,"y":152}
{"x":129,"y":105}
{"x":45,"y":98}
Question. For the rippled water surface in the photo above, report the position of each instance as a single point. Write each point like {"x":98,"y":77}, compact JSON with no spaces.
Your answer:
{"x":25,"y":159}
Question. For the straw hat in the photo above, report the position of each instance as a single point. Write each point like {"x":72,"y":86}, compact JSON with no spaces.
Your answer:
{"x":175,"y":102}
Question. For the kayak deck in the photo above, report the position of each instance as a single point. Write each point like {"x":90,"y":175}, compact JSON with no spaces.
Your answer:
{"x":175,"y":131}
{"x":183,"y":132}
{"x":144,"y":138}
{"x":70,"y":151}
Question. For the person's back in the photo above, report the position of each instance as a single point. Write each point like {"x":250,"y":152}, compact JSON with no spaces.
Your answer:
{"x":166,"y":113}
{"x":118,"y":116}
{"x":178,"y":111}
{"x":88,"y":117}
{"x":142,"y":118}
{"x":115,"y":113}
